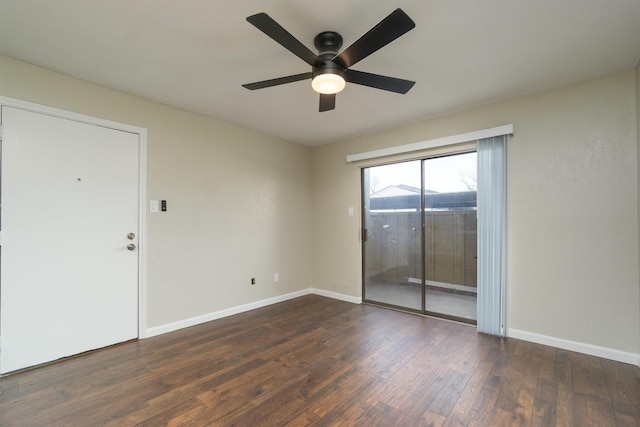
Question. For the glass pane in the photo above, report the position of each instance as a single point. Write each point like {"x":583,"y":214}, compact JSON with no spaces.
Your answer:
{"x":450,"y":186}
{"x":392,"y":250}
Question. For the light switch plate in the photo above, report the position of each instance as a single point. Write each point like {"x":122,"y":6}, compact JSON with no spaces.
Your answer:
{"x":153,"y":206}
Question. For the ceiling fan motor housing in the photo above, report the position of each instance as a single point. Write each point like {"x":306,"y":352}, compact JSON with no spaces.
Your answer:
{"x":328,"y":44}
{"x":327,"y":67}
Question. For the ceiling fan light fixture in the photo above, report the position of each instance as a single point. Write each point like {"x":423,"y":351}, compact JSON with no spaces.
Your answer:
{"x":328,"y":83}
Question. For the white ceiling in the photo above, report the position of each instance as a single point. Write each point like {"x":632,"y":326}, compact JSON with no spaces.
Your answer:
{"x":196,"y":54}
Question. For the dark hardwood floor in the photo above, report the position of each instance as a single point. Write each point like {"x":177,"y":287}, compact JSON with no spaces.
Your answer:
{"x":317,"y":361}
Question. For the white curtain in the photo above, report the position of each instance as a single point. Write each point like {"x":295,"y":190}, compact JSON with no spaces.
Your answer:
{"x":492,"y":226}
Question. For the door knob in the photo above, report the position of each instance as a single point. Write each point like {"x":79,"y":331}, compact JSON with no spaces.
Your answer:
{"x":131,"y":236}
{"x":131,"y":246}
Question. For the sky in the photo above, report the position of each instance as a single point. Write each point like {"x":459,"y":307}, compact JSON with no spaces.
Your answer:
{"x":442,"y":174}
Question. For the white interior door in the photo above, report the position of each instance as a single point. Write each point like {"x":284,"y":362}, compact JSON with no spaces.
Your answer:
{"x":68,"y":282}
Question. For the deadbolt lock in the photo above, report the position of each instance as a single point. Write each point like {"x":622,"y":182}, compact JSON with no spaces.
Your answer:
{"x":131,"y":236}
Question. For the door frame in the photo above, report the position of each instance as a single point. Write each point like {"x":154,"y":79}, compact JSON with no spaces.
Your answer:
{"x":142,"y":185}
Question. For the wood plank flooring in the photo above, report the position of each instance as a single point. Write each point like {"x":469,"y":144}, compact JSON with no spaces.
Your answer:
{"x":317,"y":361}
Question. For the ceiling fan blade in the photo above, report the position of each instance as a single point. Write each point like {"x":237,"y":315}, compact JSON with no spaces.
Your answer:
{"x":279,"y":81}
{"x":327,"y":102}
{"x":386,"y":31}
{"x":267,"y":25}
{"x":377,"y":81}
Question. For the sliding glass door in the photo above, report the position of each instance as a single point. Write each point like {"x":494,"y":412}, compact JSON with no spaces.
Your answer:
{"x":419,"y":236}
{"x":392,"y":237}
{"x":450,"y":250}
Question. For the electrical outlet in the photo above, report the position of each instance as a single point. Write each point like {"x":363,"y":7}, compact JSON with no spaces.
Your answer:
{"x":276,"y":277}
{"x":253,"y":280}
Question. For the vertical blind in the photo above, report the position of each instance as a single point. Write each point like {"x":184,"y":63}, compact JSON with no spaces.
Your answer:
{"x":492,"y":222}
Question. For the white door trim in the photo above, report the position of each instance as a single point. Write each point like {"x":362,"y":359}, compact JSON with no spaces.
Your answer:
{"x":142,"y":186}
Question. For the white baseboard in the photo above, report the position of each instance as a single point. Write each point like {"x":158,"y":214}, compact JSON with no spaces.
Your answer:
{"x":335,"y":295}
{"x":174,"y":326}
{"x":593,"y":350}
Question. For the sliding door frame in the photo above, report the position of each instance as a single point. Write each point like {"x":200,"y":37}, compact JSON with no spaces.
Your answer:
{"x":363,"y":230}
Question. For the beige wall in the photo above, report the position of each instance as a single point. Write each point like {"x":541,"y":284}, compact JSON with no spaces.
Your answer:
{"x":572,"y":209}
{"x":239,"y":203}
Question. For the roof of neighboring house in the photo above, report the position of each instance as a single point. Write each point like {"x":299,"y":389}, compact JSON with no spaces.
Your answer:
{"x":398,"y":190}
{"x":405,"y":197}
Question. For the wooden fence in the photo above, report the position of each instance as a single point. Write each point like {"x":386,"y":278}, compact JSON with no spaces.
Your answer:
{"x":393,"y":246}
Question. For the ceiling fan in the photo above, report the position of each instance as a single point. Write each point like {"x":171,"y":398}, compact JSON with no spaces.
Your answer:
{"x":331,"y":70}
